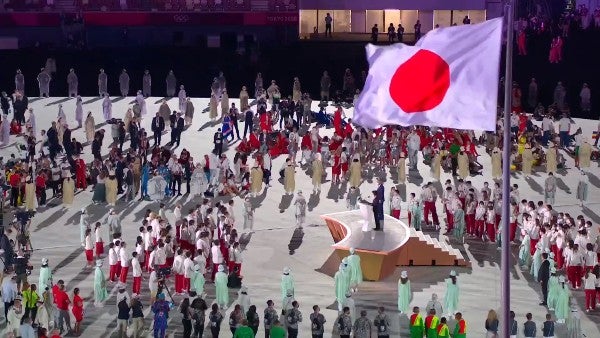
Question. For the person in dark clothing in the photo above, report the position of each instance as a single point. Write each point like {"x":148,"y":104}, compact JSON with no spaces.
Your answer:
{"x":374,"y":33}
{"x":20,"y":106}
{"x":96,"y":145}
{"x":122,"y":316}
{"x":544,"y":276}
{"x":234,"y":117}
{"x":248,"y":121}
{"x":134,"y":135}
{"x":53,"y":144}
{"x":218,"y":142}
{"x":5,"y":103}
{"x":67,"y":145}
{"x":177,"y":129}
{"x":158,"y":126}
{"x":119,"y":173}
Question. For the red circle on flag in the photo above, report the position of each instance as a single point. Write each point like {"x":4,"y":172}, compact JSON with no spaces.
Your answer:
{"x":421,"y":82}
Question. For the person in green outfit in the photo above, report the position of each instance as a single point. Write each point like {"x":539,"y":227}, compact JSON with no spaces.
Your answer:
{"x":431,"y":324}
{"x":404,"y":292}
{"x":442,"y":329}
{"x":277,"y":331}
{"x":459,"y":224}
{"x":244,"y":331}
{"x":355,"y":270}
{"x":460,"y":330}
{"x":451,"y":297}
{"x":221,"y":290}
{"x":417,"y":325}
{"x":100,"y":292}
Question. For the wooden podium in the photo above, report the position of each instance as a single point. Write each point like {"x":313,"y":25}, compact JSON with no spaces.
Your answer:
{"x":382,"y":251}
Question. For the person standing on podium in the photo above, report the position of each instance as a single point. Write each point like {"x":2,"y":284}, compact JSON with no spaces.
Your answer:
{"x":378,"y":199}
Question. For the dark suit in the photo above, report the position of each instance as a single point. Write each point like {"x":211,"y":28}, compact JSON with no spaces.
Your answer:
{"x":378,"y":207}
{"x":177,"y":130}
{"x":543,"y":277}
{"x":53,"y":144}
{"x":218,"y":142}
{"x":248,"y":122}
{"x":158,"y":126}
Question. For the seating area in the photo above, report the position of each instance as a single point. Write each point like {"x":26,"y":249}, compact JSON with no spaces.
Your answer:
{"x":150,"y":5}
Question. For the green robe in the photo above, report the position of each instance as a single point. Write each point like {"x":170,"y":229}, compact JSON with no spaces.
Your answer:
{"x":100,"y":292}
{"x":524,"y":253}
{"x":221,"y":290}
{"x":287,"y":283}
{"x":459,"y":224}
{"x":552,"y":292}
{"x":416,"y":216}
{"x":451,"y":297}
{"x":341,"y":285}
{"x":404,"y":296}
{"x":355,"y":270}
{"x":198,"y":281}
{"x":45,"y":279}
{"x":563,"y":308}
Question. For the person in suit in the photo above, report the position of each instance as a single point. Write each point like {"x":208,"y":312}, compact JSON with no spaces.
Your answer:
{"x":234,"y":116}
{"x":544,"y":276}
{"x":218,"y":142}
{"x":378,"y":209}
{"x":375,"y":207}
{"x":158,"y":125}
{"x":248,"y":121}
{"x":177,"y":129}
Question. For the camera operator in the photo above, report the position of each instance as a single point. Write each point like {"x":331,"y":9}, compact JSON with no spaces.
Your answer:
{"x":22,"y":268}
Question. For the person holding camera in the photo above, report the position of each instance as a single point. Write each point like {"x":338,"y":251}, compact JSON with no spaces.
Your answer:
{"x":22,"y":269}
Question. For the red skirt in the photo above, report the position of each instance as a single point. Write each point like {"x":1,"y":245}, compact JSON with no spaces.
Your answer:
{"x":89,"y":255}
{"x":396,"y":214}
{"x":78,"y":313}
{"x":99,"y":248}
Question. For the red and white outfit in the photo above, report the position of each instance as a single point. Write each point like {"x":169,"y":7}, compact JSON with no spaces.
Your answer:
{"x":178,"y":271}
{"x":490,"y":224}
{"x":217,"y":259}
{"x":89,"y":250}
{"x":99,"y":243}
{"x":589,"y":286}
{"x":188,"y":265}
{"x":590,"y":259}
{"x":395,"y":205}
{"x":136,"y":270}
{"x":480,"y":212}
{"x":124,"y":257}
{"x":112,"y":263}
{"x":574,"y":267}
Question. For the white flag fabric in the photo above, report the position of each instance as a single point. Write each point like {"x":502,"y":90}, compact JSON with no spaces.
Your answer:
{"x":448,"y":79}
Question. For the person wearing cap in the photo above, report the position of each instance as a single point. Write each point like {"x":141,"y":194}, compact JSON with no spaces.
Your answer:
{"x":160,"y":309}
{"x":355,"y":270}
{"x":45,"y":277}
{"x":221,"y":290}
{"x":100,"y":292}
{"x":287,"y":283}
{"x":300,"y":204}
{"x":197,"y":281}
{"x":404,"y":292}
{"x":451,"y":296}
{"x":14,"y":316}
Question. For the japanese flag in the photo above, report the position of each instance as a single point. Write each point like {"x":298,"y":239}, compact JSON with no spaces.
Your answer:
{"x":448,"y":79}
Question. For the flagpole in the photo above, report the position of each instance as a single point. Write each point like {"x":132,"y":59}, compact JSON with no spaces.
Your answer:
{"x":506,"y":151}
